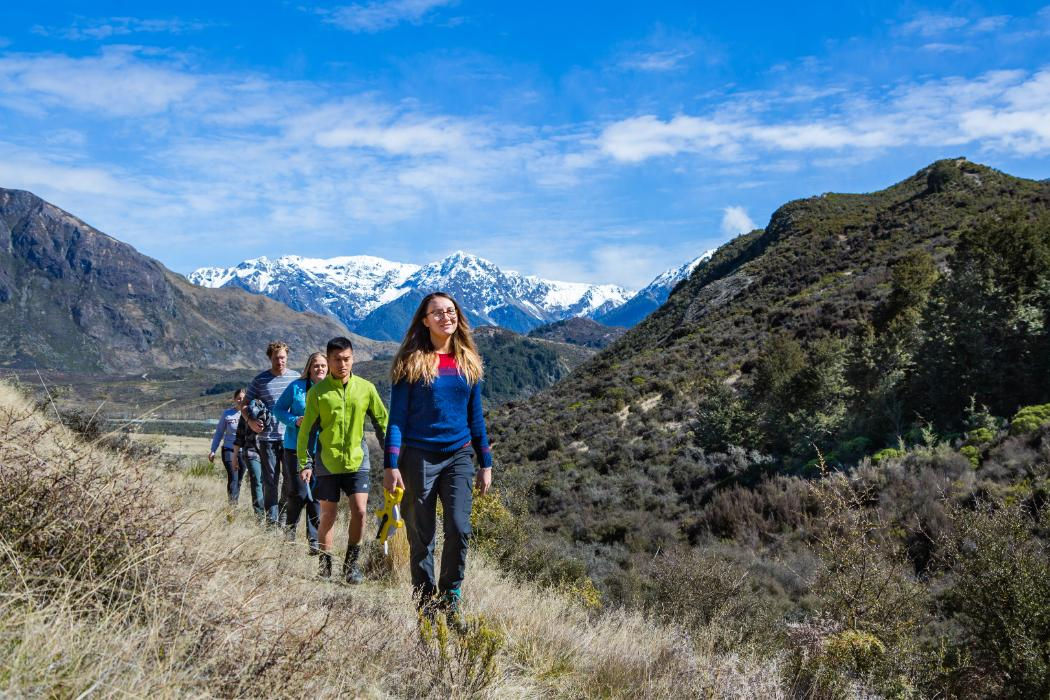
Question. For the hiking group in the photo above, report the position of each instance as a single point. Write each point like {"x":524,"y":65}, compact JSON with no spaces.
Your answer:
{"x":301,"y":442}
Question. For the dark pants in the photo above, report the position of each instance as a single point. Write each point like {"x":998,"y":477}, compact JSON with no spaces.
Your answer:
{"x":270,"y":454}
{"x":252,"y":466}
{"x":429,"y":476}
{"x":234,"y":473}
{"x":299,"y":499}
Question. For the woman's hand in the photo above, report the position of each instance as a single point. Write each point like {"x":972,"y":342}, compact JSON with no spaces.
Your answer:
{"x":298,"y":421}
{"x":483,"y":481}
{"x":306,"y":475}
{"x":211,"y":457}
{"x":392,"y":479}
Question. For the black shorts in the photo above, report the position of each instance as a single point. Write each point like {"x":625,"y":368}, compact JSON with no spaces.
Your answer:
{"x":329,"y":485}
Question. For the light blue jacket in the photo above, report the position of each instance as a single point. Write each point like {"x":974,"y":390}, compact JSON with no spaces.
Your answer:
{"x":290,"y":407}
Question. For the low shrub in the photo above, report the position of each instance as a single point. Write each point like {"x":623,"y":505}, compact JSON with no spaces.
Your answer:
{"x":1030,"y":418}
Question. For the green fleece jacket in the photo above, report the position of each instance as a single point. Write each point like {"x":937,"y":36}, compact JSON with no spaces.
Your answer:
{"x":336,"y":412}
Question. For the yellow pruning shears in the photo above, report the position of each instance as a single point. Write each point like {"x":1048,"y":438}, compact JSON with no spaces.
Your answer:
{"x":390,"y":516}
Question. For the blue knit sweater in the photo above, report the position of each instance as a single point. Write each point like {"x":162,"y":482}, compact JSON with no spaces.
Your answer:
{"x":440,"y":417}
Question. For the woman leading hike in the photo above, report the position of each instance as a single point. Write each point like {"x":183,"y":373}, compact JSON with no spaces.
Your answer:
{"x":435,"y":426}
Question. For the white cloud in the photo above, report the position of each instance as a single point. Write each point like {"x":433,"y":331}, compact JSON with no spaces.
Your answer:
{"x":927,"y":24}
{"x":991,"y":24}
{"x":1005,"y":111}
{"x":656,"y":61}
{"x":379,"y":15}
{"x":120,"y":26}
{"x":639,"y":138}
{"x":736,"y":221}
{"x":117,"y":82}
{"x":938,"y":47}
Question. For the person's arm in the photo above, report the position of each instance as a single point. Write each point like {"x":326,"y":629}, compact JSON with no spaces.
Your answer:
{"x":378,"y":414}
{"x":480,"y":439}
{"x":398,"y":416}
{"x":220,"y":433}
{"x":311,"y":419}
{"x":478,"y":435}
{"x":283,"y":406}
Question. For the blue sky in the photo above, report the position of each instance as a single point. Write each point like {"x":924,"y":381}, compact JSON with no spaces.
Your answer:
{"x":597,"y":142}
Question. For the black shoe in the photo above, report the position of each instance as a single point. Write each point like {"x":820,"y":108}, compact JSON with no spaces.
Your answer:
{"x":427,"y":604}
{"x":314,"y":549}
{"x":451,"y":604}
{"x":324,"y":565}
{"x":351,"y":571}
{"x":354,"y":575}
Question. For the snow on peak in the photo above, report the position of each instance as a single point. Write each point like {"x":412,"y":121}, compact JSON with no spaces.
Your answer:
{"x":669,"y":278}
{"x":352,"y":287}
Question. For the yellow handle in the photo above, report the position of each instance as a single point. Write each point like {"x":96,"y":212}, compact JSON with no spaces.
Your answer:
{"x":390,"y":515}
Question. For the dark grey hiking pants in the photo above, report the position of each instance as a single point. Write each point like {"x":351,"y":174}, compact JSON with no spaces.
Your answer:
{"x":429,"y":476}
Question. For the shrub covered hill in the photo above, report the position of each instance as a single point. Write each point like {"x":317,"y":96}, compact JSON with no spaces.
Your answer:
{"x":72,"y":297}
{"x":579,"y":331}
{"x":852,"y":324}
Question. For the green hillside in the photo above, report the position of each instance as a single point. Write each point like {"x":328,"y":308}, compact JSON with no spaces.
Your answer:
{"x":762,"y":357}
{"x":842,"y":420}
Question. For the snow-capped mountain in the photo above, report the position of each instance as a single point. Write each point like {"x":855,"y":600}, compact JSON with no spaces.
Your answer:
{"x":348,"y":287}
{"x":375,"y":297}
{"x":651,"y":297}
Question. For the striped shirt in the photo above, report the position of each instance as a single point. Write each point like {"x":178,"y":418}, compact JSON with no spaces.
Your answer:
{"x":268,"y":387}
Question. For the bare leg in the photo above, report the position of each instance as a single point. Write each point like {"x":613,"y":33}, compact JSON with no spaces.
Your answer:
{"x":326,"y":528}
{"x":358,"y":509}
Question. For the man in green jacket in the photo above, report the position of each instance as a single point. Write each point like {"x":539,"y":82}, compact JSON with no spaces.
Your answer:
{"x":335,"y":412}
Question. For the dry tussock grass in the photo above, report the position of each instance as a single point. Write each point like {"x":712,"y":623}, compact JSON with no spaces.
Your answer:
{"x":138,"y":580}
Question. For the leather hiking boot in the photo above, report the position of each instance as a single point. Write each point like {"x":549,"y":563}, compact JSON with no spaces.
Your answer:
{"x":324,"y":565}
{"x":351,"y":571}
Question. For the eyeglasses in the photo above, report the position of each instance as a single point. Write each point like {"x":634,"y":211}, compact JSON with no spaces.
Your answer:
{"x":438,"y":315}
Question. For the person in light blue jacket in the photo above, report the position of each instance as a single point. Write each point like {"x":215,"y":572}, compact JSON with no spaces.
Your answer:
{"x":225,"y":432}
{"x":289,"y":409}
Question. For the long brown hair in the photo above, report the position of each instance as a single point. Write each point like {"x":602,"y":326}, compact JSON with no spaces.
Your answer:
{"x":417,"y":359}
{"x":309,"y":363}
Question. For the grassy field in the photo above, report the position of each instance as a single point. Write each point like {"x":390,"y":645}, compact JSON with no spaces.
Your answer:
{"x":175,"y":445}
{"x":160,"y":590}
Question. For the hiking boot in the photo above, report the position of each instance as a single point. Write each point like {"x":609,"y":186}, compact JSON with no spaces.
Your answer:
{"x":426,"y":603}
{"x":451,"y":603}
{"x":351,"y":571}
{"x":314,"y":548}
{"x":324,"y":565}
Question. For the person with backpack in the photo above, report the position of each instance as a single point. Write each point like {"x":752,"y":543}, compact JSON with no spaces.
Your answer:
{"x":267,"y":387}
{"x":246,"y":454}
{"x":225,"y":432}
{"x":334,"y":415}
{"x":436,"y":425}
{"x":289,"y":410}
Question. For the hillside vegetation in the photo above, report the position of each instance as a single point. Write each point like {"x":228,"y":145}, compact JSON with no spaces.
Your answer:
{"x":579,"y":331}
{"x":123,"y":576}
{"x":895,"y":341}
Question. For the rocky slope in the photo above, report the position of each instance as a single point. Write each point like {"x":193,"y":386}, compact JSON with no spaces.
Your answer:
{"x":73,"y":298}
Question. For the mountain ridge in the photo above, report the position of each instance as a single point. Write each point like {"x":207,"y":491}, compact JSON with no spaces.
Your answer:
{"x":74,"y":297}
{"x":370,"y":294}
